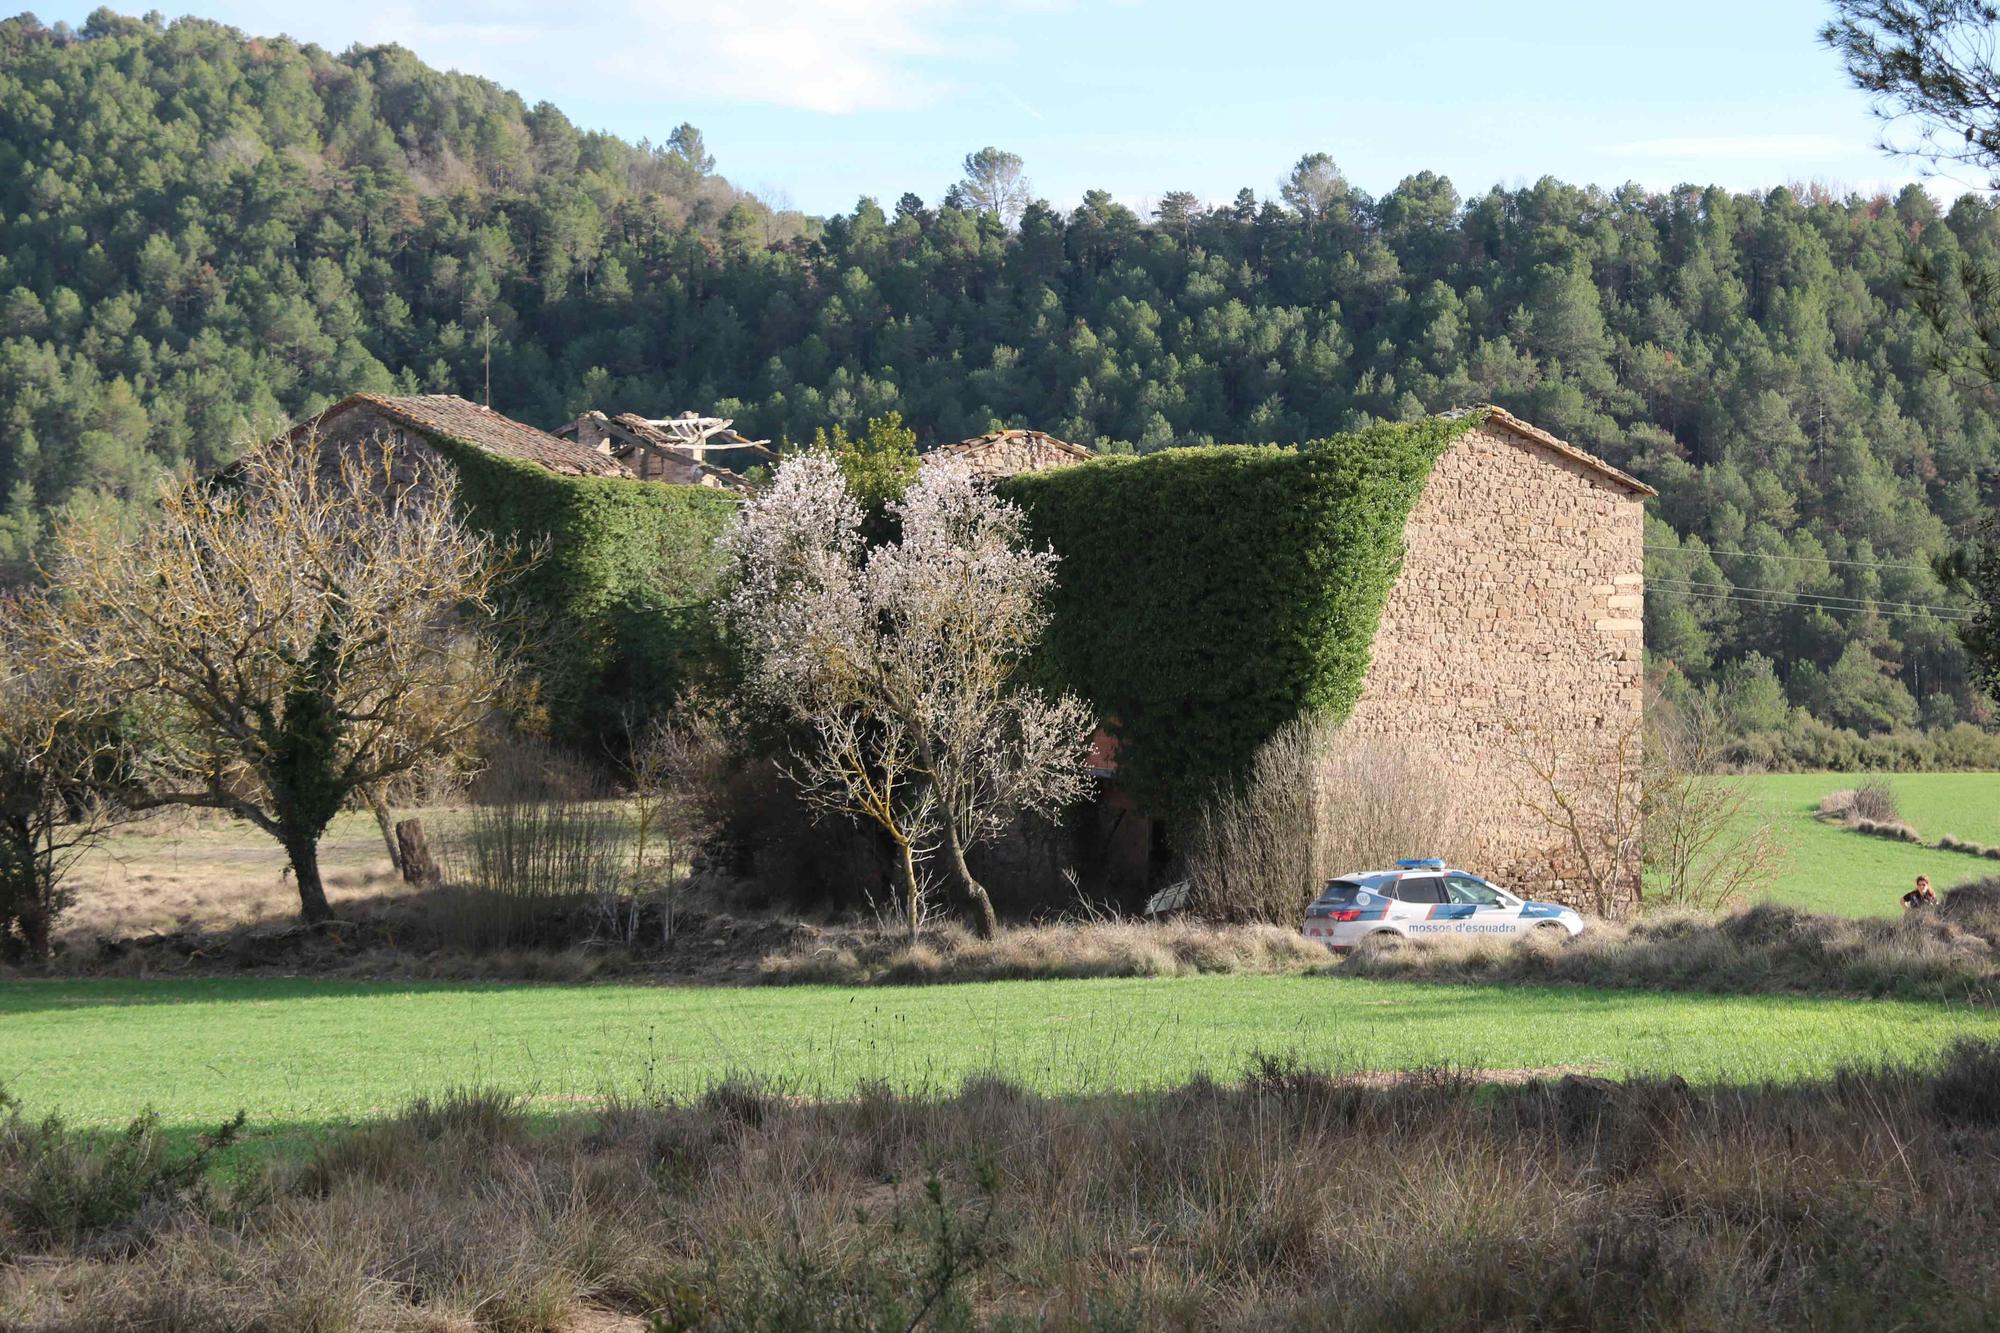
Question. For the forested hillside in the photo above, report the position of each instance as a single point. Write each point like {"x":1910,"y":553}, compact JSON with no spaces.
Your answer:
{"x":207,"y":232}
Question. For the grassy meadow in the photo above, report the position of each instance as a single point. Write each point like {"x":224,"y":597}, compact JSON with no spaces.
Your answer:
{"x":1832,"y":869}
{"x":302,"y":1053}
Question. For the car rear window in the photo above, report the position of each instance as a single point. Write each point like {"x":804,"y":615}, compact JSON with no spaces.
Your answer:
{"x":1339,"y":890}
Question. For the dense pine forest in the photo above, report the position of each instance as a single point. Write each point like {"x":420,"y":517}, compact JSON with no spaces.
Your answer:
{"x":208,"y":233}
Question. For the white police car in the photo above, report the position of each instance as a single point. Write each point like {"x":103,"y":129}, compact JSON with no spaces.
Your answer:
{"x":1424,"y":899}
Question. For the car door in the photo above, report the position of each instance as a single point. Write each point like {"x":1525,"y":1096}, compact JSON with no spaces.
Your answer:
{"x":1491,"y":913}
{"x":1421,"y":908}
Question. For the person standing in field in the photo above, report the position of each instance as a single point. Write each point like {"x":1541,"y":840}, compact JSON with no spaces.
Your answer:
{"x":1921,"y":896}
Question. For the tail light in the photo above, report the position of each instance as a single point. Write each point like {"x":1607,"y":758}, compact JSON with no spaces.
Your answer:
{"x":1345,"y":914}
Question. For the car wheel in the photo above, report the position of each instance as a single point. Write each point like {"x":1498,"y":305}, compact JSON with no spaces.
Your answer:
{"x":1383,"y":941}
{"x":1550,"y":932}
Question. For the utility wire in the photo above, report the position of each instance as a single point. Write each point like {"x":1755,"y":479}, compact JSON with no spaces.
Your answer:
{"x":1775,"y":597}
{"x":1854,"y":603}
{"x":1797,"y":593}
{"x":1785,"y":605}
{"x":1802,"y":559}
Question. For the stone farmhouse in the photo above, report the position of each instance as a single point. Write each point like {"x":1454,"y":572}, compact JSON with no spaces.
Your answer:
{"x":413,"y":419}
{"x":687,"y":450}
{"x":1512,"y":640}
{"x":593,"y":445}
{"x":1509,"y":652}
{"x":1513,"y":629}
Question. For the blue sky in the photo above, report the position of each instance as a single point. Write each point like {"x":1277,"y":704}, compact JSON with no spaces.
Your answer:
{"x":814,"y":102}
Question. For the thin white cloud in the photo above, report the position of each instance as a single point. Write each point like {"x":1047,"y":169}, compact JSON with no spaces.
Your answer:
{"x":1738,"y":147}
{"x":832,"y":56}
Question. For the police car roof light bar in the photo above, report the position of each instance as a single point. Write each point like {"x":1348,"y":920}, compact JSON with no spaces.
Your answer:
{"x":1421,"y":863}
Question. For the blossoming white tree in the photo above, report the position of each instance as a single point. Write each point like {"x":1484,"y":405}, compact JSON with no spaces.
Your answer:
{"x":901,"y":663}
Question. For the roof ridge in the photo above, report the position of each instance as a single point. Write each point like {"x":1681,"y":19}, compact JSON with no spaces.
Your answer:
{"x":1536,"y":435}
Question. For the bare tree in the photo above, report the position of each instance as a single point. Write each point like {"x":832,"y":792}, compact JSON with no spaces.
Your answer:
{"x":900,"y":663}
{"x":1705,"y":847}
{"x":1593,"y":809}
{"x":993,"y":184}
{"x":57,"y":766}
{"x":1318,"y":802}
{"x":288,"y":637}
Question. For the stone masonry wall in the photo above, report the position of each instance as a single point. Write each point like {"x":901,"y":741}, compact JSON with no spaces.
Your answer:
{"x":1006,"y":455}
{"x":1511,"y":640}
{"x":364,"y":425}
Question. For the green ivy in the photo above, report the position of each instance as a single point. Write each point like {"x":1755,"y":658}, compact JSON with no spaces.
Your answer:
{"x":622,"y":589}
{"x":1207,"y":596}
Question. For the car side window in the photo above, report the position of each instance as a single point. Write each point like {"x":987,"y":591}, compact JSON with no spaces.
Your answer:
{"x":1466,"y":889}
{"x":1420,"y":889}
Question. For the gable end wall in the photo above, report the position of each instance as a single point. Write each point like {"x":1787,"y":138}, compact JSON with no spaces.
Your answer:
{"x":1514,"y":628}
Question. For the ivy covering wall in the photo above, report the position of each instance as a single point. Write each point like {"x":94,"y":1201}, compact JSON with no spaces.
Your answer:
{"x":1207,"y":596}
{"x":622,"y":589}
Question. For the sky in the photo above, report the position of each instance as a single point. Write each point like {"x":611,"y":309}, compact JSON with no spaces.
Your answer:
{"x":814,"y":103}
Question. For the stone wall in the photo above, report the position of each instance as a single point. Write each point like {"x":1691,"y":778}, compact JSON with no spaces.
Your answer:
{"x":363,"y":424}
{"x":1006,"y":453}
{"x":1512,"y":642}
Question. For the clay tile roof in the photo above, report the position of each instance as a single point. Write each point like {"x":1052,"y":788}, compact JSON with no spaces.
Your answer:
{"x":454,"y":418}
{"x":989,"y":455}
{"x":1500,"y":416}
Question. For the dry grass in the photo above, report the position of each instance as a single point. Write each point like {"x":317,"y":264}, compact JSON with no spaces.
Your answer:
{"x":183,"y":870}
{"x":1106,"y":949}
{"x":1578,"y":1204}
{"x":1949,"y":955}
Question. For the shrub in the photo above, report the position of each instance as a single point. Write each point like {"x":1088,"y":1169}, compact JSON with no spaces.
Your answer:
{"x":1876,"y":800}
{"x":1948,"y":955}
{"x":1112,"y":949}
{"x":1893,"y":830}
{"x":1208,"y":596}
{"x":623,"y":587}
{"x":1966,"y":1088}
{"x":532,"y":873}
{"x":60,"y":1186}
{"x":1975,"y":907}
{"x":1807,"y":745}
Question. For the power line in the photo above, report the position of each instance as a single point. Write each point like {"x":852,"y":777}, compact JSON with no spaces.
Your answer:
{"x":1821,"y":596}
{"x":1789,"y":605}
{"x":1774,"y":597}
{"x":1808,"y":598}
{"x":1802,"y":559}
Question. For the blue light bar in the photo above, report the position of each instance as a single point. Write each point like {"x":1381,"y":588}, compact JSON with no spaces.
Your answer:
{"x":1421,"y":863}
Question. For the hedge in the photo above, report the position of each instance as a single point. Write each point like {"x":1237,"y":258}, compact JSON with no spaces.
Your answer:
{"x":1206,"y":596}
{"x":622,"y":588}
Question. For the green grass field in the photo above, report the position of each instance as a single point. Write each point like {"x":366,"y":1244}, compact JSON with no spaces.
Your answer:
{"x":302,"y":1054}
{"x":1836,"y":870}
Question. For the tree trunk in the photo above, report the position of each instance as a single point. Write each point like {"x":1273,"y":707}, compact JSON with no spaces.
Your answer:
{"x":977,"y":903}
{"x":414,"y":853}
{"x":913,"y":894}
{"x":304,"y":854}
{"x":386,"y":822}
{"x":33,"y":919}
